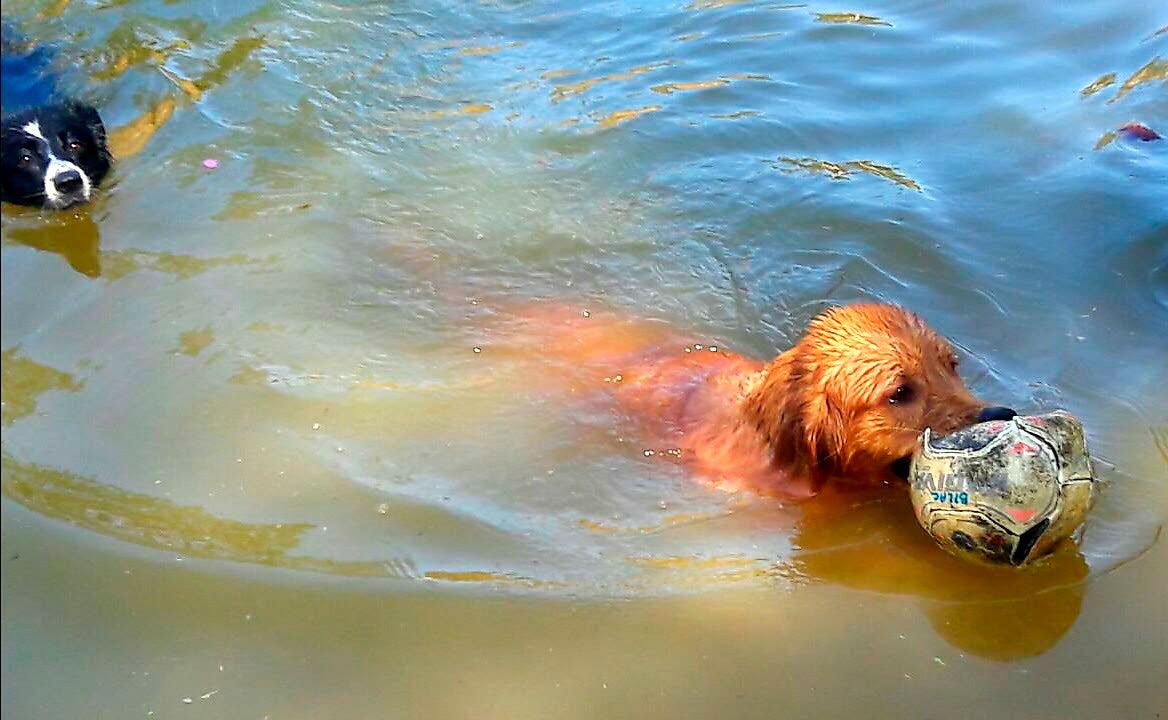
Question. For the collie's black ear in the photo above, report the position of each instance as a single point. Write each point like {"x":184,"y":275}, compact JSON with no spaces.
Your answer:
{"x":88,"y":117}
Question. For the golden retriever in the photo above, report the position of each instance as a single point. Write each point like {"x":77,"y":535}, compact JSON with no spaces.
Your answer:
{"x":845,"y":405}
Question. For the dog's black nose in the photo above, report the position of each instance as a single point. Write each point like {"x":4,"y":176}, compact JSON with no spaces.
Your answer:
{"x":68,"y":182}
{"x":995,"y":413}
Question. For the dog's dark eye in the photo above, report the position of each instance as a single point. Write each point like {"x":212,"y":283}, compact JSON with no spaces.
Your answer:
{"x":953,"y":363}
{"x":73,"y":145}
{"x":26,"y":159}
{"x":902,"y":394}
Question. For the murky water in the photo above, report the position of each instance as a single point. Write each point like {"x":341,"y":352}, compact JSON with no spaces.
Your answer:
{"x":254,"y":467}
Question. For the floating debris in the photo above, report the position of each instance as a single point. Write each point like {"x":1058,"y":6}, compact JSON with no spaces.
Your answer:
{"x":1139,"y":131}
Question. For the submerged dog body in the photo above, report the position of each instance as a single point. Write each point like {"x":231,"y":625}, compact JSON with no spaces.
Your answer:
{"x":52,"y":156}
{"x":846,"y":404}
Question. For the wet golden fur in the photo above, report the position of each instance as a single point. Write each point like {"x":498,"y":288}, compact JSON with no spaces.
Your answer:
{"x":854,"y":394}
{"x":843,"y":405}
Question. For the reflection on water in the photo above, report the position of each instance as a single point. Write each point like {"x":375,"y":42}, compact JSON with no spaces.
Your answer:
{"x":842,"y":171}
{"x":616,"y":118}
{"x":1098,"y":84}
{"x":194,"y":533}
{"x":870,"y":543}
{"x":145,"y":520}
{"x":1156,"y":69}
{"x":75,"y":237}
{"x":863,"y":543}
{"x":131,"y":138}
{"x":269,"y":368}
{"x":72,"y":235}
{"x":193,"y":342}
{"x":848,"y":18}
{"x":567,"y":90}
{"x":25,"y":380}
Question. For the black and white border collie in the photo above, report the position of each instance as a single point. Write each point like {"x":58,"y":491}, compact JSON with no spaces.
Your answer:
{"x":53,"y":156}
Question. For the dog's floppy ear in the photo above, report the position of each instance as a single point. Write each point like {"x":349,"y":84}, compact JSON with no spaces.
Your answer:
{"x":96,"y":126}
{"x":824,"y":435}
{"x":802,"y":427}
{"x":776,"y":409}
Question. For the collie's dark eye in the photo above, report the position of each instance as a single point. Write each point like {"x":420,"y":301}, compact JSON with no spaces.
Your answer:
{"x":953,"y":363}
{"x":902,"y":394}
{"x":73,"y":145}
{"x":26,"y":159}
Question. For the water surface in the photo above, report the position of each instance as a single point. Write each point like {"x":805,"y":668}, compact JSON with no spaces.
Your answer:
{"x":252,"y":460}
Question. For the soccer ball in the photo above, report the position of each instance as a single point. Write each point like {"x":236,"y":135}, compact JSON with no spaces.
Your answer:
{"x":1005,"y":492}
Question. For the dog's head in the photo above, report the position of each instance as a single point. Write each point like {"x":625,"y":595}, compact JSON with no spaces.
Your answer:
{"x":853,"y":396}
{"x":52,"y":156}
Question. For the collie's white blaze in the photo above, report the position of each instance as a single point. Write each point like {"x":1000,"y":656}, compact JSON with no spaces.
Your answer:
{"x":34,"y":129}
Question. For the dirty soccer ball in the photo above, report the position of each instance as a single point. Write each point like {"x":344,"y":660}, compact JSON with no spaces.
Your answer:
{"x":1005,"y":492}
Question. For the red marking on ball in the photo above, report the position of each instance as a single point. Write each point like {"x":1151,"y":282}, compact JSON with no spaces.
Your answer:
{"x":1021,"y":448}
{"x":1022,"y":516}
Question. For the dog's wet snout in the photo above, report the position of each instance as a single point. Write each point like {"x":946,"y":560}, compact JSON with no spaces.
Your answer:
{"x":68,"y":182}
{"x":989,"y":414}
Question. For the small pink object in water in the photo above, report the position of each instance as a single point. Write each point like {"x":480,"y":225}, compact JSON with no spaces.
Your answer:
{"x":210,"y":163}
{"x":1137,"y":131}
